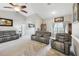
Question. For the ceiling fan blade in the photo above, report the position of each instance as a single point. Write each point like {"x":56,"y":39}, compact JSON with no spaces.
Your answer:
{"x":12,"y":4}
{"x":7,"y":7}
{"x":24,"y":11}
{"x":23,"y":6}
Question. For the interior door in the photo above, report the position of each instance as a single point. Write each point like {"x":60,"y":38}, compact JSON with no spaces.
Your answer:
{"x":70,"y":28}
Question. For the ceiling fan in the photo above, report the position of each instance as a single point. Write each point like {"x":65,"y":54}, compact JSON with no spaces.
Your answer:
{"x":49,"y":3}
{"x":17,"y":7}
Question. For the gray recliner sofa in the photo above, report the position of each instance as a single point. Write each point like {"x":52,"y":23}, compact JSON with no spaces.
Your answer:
{"x":41,"y":36}
{"x":62,"y":43}
{"x":8,"y":36}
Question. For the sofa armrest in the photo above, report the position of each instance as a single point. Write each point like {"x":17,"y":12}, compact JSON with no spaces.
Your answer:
{"x":53,"y":40}
{"x":67,"y":43}
{"x":1,"y":39}
{"x":52,"y":43}
{"x":33,"y":35}
{"x":67,"y":47}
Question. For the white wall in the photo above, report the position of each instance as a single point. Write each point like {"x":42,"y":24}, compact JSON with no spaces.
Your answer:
{"x":49,"y":23}
{"x":75,"y":29}
{"x":68,"y":18}
{"x":75,"y":36}
{"x":33,"y":19}
{"x":18,"y":20}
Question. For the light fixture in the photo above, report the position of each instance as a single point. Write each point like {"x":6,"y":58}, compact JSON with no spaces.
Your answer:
{"x":54,"y":12}
{"x":17,"y":8}
{"x":3,"y":20}
{"x":49,"y":3}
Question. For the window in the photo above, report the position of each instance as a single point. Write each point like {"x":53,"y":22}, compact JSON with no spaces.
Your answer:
{"x":58,"y":28}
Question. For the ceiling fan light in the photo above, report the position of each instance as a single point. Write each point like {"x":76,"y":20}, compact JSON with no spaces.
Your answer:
{"x":17,"y":9}
{"x":3,"y":20}
{"x":54,"y":12}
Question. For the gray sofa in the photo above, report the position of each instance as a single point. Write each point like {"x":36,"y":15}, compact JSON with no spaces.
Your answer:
{"x":8,"y":36}
{"x":41,"y":37}
{"x":62,"y":43}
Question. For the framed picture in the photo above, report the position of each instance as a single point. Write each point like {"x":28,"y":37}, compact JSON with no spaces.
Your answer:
{"x":6,"y":22}
{"x":59,"y":19}
{"x":31,"y":25}
{"x":76,"y":12}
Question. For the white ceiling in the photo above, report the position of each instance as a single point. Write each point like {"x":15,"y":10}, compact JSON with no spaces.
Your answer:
{"x":44,"y":10}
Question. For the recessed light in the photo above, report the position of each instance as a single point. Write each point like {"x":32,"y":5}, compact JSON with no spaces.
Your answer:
{"x":54,"y":12}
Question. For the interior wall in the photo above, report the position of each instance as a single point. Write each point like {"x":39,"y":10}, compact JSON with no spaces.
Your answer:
{"x":75,"y":37}
{"x":67,"y":19}
{"x":18,"y":20}
{"x":75,"y":29}
{"x":50,"y":22}
{"x":33,"y":19}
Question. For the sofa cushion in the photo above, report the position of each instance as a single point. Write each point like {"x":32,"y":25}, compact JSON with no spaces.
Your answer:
{"x":1,"y":33}
{"x":12,"y":32}
{"x":59,"y":46}
{"x":63,"y":37}
{"x":39,"y":33}
{"x":8,"y":35}
{"x":15,"y":36}
{"x":1,"y":40}
{"x":6,"y":39}
{"x":47,"y":35}
{"x":41,"y":36}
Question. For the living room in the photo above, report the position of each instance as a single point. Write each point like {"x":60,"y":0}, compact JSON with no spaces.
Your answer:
{"x":30,"y":29}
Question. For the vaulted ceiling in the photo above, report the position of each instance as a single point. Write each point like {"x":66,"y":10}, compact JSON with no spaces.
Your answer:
{"x":44,"y":10}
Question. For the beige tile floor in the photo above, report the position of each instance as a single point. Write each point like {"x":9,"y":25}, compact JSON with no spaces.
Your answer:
{"x":26,"y":47}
